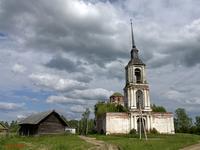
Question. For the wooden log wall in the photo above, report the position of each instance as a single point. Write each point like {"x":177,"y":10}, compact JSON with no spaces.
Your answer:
{"x":51,"y":125}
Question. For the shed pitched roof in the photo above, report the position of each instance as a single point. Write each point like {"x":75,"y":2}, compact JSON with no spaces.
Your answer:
{"x":3,"y":127}
{"x":37,"y":118}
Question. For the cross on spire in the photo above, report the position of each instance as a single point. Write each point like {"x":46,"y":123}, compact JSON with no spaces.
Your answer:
{"x":132,"y":36}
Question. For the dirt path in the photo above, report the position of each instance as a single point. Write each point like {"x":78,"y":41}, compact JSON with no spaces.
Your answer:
{"x":192,"y":147}
{"x":99,"y":145}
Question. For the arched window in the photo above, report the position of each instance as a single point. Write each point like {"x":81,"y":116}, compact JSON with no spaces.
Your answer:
{"x":139,"y":99}
{"x":138,"y":75}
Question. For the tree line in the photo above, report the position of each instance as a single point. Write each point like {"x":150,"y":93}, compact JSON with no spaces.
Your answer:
{"x":182,"y":122}
{"x":12,"y":126}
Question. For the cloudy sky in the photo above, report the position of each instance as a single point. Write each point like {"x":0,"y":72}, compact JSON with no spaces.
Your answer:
{"x":68,"y":54}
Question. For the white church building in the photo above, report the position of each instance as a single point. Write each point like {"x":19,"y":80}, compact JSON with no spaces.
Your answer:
{"x":137,"y":100}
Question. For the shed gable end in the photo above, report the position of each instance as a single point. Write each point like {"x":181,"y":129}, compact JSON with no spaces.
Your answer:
{"x":51,"y":124}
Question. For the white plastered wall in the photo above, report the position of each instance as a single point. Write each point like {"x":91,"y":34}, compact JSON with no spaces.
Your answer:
{"x":117,"y":123}
{"x":163,"y":123}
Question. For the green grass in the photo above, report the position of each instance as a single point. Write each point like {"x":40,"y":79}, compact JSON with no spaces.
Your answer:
{"x":47,"y":142}
{"x":154,"y":142}
{"x":73,"y":142}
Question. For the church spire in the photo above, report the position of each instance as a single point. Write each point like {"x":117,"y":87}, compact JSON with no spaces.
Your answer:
{"x":132,"y":36}
{"x":134,"y":51}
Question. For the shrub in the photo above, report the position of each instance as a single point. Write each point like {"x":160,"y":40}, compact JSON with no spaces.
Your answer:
{"x":154,"y":131}
{"x":102,"y":108}
{"x":133,"y":131}
{"x":158,"y":108}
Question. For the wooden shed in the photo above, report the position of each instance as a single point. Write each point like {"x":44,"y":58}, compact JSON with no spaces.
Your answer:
{"x":49,"y":122}
{"x":3,"y":129}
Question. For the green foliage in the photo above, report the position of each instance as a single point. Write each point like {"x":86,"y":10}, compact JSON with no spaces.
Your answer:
{"x":5,"y":124}
{"x":73,"y":123}
{"x":46,"y":142}
{"x":14,"y":127}
{"x":182,"y":122}
{"x":155,"y":142}
{"x":195,"y":129}
{"x":133,"y":131}
{"x":197,"y":121}
{"x":154,"y":131}
{"x":101,"y":108}
{"x":158,"y":108}
{"x":84,"y":122}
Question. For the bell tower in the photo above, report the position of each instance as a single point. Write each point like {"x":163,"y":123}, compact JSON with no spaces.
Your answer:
{"x":136,"y":90}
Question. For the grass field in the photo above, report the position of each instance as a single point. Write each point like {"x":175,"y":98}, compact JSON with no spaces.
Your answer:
{"x":73,"y":142}
{"x":155,"y":142}
{"x":51,"y":142}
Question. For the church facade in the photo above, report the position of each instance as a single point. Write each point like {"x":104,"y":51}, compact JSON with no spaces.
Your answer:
{"x":137,"y":100}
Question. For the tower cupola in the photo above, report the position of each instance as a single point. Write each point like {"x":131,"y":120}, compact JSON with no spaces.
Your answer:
{"x":134,"y":51}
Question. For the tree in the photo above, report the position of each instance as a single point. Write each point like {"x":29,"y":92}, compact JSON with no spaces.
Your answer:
{"x":6,"y":124}
{"x":101,"y":108}
{"x":158,"y":108}
{"x":14,"y":127}
{"x":182,"y":122}
{"x":197,"y":121}
{"x":197,"y":124}
{"x":84,"y":121}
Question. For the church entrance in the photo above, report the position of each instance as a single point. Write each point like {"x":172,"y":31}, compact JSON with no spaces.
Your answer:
{"x":141,"y":124}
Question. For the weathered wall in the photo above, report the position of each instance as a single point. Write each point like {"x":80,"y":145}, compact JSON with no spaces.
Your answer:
{"x":121,"y":123}
{"x":101,"y":124}
{"x":3,"y":132}
{"x":117,"y":100}
{"x":51,"y":125}
{"x":117,"y":123}
{"x":163,"y":122}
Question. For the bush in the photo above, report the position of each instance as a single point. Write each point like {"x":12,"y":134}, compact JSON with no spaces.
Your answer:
{"x":102,"y":108}
{"x":133,"y":131}
{"x":93,"y":131}
{"x":154,"y":131}
{"x":158,"y":108}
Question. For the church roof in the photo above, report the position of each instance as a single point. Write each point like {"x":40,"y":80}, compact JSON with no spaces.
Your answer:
{"x":116,"y":94}
{"x":136,"y":61}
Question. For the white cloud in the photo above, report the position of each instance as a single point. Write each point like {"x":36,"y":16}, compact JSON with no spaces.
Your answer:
{"x":174,"y":95}
{"x":18,"y":68}
{"x":63,"y":100}
{"x":92,"y":94}
{"x":10,"y":106}
{"x":193,"y":101}
{"x":56,"y":82}
{"x":77,"y":108}
{"x":20,"y":117}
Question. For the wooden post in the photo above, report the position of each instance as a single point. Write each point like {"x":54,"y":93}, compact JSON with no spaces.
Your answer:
{"x":86,"y":126}
{"x":78,"y":128}
{"x":142,"y":121}
{"x":140,"y":117}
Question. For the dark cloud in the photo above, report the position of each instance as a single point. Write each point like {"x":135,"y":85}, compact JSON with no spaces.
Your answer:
{"x":58,"y":26}
{"x":84,"y":78}
{"x":86,"y":45}
{"x":68,"y":65}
